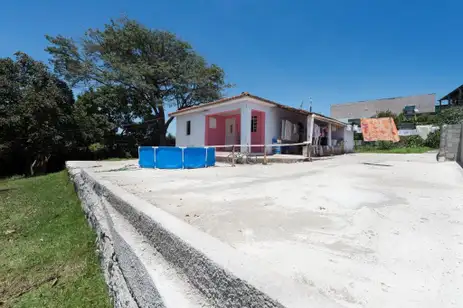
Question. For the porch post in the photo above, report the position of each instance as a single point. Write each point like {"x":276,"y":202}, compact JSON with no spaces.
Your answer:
{"x":310,"y":123}
{"x":245,"y":128}
{"x":329,"y":134}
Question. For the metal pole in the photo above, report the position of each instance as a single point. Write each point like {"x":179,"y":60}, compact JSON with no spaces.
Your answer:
{"x":233,"y":156}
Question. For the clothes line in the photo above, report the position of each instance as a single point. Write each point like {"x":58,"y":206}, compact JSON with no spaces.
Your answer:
{"x":257,"y":145}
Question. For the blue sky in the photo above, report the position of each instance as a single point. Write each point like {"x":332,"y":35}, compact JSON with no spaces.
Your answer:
{"x":334,"y":51}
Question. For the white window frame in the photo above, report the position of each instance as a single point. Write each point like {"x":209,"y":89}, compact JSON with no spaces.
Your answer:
{"x":212,"y":123}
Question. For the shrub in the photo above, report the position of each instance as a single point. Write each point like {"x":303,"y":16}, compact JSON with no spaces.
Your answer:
{"x":452,"y":115}
{"x":358,"y":136}
{"x":385,"y":145}
{"x":95,"y":147}
{"x":411,"y":141}
{"x":433,"y":139}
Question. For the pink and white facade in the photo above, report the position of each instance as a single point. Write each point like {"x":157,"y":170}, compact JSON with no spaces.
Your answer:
{"x":246,"y":120}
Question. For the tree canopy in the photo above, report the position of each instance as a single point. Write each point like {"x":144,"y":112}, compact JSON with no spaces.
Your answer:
{"x":35,"y":114}
{"x":154,"y":68}
{"x":452,"y":115}
{"x":126,"y":75}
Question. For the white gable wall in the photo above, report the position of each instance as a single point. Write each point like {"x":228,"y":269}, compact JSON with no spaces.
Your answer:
{"x":197,"y":133}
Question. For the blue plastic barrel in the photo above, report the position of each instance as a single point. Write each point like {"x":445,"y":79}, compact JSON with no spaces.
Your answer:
{"x":276,"y":149}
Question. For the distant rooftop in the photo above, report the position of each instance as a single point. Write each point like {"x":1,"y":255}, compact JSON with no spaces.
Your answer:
{"x":383,"y":99}
{"x":452,"y":95}
{"x":365,"y":109}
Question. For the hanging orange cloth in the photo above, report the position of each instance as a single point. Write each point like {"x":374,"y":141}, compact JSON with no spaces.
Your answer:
{"x":383,"y":129}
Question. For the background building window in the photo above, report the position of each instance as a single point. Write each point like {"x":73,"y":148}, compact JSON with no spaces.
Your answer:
{"x":253,"y":124}
{"x":188,"y":128}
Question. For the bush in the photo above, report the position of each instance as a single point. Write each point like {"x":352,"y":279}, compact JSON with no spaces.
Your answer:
{"x":411,"y":141}
{"x":452,"y":115}
{"x":95,"y":147}
{"x":385,"y":145}
{"x":433,"y":139}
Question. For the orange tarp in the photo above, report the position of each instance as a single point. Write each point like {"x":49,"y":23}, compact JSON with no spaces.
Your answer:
{"x":379,"y":129}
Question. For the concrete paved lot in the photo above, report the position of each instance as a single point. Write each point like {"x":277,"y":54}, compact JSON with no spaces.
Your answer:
{"x":368,"y":230}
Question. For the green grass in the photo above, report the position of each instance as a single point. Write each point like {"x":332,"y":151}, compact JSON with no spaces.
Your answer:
{"x":404,"y":150}
{"x":47,"y":250}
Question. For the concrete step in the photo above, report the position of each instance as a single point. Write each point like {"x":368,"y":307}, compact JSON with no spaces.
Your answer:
{"x":172,"y":287}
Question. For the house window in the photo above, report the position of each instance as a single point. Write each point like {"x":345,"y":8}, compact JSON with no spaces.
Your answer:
{"x":253,"y":124}
{"x":212,"y":123}
{"x":231,"y":128}
{"x":188,"y":128}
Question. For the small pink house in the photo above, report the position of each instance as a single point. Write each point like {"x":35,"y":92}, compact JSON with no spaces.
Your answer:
{"x":247,"y":119}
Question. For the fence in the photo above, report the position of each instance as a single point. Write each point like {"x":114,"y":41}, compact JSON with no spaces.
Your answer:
{"x":240,"y":153}
{"x":201,"y":157}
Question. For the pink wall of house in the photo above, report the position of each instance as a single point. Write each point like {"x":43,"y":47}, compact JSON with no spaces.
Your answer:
{"x":216,"y":136}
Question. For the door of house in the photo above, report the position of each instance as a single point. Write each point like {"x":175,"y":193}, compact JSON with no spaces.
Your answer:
{"x":230,"y":131}
{"x":257,"y":130}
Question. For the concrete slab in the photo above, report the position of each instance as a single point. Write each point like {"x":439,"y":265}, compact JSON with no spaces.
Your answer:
{"x":368,"y":230}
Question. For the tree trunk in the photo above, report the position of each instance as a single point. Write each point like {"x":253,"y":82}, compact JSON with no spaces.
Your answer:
{"x":39,"y":166}
{"x":163,"y":127}
{"x":162,"y":136}
{"x":31,"y":168}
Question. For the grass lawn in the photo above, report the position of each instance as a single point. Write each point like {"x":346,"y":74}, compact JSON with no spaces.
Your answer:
{"x":47,"y":249}
{"x":393,"y":150}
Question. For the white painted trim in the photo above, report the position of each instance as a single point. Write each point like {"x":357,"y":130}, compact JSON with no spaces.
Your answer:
{"x":335,"y":122}
{"x":206,"y":108}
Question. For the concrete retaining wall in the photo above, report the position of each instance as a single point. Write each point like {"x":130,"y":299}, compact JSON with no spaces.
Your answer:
{"x":98,"y":219}
{"x":223,"y":276}
{"x":451,"y":142}
{"x":460,"y":153}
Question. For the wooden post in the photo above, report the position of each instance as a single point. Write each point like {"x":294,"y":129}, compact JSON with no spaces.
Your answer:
{"x":233,"y":155}
{"x":265,"y":156}
{"x":308,"y":150}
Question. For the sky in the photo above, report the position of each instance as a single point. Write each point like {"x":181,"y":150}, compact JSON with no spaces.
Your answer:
{"x":288,"y":51}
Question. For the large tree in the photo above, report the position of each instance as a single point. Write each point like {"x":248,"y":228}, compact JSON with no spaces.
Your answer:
{"x":102,"y":113}
{"x":155,"y":68}
{"x":35,"y":115}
